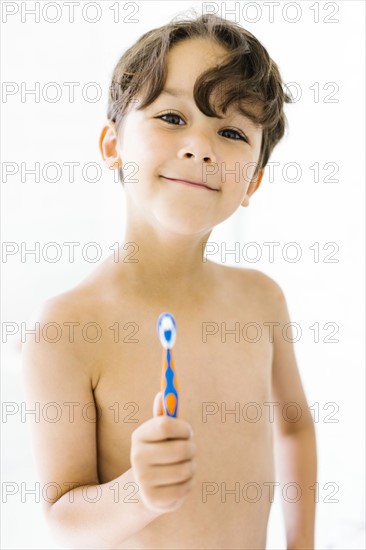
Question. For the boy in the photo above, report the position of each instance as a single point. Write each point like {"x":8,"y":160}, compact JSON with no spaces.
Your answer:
{"x":119,"y":473}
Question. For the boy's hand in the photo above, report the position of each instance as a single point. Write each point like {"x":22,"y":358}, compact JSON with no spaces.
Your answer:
{"x":162,"y":458}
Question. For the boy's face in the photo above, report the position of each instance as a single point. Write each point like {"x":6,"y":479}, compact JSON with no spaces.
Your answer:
{"x":186,"y":145}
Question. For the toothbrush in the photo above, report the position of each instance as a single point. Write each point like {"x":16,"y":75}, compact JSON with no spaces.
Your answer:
{"x":167,"y":332}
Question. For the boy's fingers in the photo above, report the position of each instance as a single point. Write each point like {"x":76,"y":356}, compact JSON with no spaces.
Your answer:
{"x":167,"y":428}
{"x":158,"y":407}
{"x":154,"y":430}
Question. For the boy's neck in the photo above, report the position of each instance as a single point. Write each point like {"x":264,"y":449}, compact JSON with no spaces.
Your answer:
{"x":165,"y":266}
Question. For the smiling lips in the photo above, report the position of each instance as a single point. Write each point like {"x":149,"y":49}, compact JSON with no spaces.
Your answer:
{"x":191,"y":183}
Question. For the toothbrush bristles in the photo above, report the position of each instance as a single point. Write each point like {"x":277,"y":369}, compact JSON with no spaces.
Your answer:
{"x":166,"y":329}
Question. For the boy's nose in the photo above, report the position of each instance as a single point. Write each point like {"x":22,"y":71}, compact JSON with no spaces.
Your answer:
{"x":199,"y":147}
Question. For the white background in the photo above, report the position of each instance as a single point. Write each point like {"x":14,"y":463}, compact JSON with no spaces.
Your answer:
{"x":311,"y":54}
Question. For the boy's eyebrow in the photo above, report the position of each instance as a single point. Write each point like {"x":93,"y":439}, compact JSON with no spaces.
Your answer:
{"x":175,"y":92}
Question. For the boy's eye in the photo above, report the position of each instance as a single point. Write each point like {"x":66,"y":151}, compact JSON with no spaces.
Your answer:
{"x":241,"y":136}
{"x":170,"y":115}
{"x":176,"y":116}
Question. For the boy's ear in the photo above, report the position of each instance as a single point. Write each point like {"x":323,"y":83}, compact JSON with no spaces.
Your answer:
{"x":107,"y":146}
{"x":253,"y":186}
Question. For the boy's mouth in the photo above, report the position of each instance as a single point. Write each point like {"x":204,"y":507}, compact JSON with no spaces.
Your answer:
{"x":191,"y":183}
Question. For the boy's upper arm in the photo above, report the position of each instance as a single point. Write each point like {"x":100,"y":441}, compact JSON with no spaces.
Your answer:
{"x":292,"y":413}
{"x":58,"y":386}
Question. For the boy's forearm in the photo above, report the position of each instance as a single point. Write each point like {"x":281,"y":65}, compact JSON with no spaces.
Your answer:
{"x":100,"y":516}
{"x":298,"y":465}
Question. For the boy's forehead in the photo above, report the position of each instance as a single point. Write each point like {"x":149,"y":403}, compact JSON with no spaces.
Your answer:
{"x":193,"y":56}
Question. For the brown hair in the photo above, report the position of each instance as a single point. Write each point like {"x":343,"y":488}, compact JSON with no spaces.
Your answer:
{"x":247,"y":73}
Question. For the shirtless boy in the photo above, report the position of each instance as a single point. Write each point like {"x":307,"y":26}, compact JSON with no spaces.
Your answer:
{"x":119,"y":473}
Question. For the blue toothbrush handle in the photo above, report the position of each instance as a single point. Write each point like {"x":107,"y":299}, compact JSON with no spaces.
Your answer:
{"x":169,"y":385}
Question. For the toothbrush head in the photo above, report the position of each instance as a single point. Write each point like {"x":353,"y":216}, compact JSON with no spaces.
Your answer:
{"x":167,"y":330}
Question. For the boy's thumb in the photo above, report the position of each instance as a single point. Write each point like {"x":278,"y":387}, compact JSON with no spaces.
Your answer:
{"x":158,"y":407}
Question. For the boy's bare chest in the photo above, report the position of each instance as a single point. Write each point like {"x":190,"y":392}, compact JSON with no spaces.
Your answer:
{"x":223,"y":360}
{"x":223,"y":357}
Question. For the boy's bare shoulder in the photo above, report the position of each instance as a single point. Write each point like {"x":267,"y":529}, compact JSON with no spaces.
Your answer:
{"x":266,"y":283}
{"x":66,"y":307}
{"x":74,"y":307}
{"x":63,"y":322}
{"x":78,"y":303}
{"x":253,"y":280}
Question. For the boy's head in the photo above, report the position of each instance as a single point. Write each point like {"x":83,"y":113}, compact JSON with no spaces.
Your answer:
{"x":241,"y":78}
